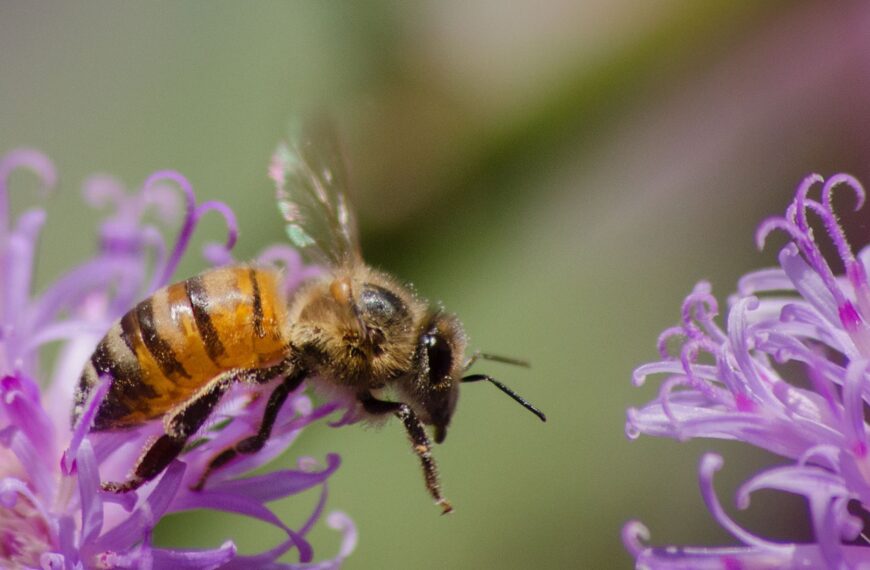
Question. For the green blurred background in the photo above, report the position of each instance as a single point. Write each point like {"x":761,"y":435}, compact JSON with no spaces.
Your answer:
{"x":558,"y":173}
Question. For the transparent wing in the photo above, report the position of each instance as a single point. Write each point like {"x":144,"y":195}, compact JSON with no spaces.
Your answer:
{"x":310,"y":183}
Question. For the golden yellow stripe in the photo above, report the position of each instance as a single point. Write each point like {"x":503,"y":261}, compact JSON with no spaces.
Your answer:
{"x":178,"y":328}
{"x":230,"y":291}
{"x":271,"y":347}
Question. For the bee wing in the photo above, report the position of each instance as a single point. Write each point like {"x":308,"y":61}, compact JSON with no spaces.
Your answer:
{"x":310,"y":183}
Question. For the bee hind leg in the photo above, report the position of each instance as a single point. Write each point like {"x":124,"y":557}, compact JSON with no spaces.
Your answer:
{"x":179,"y":425}
{"x":419,"y":442}
{"x":255,"y":443}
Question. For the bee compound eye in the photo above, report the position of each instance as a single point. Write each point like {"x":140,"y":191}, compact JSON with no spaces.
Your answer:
{"x":440,"y":357}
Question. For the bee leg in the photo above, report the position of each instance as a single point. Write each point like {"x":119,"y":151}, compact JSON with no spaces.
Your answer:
{"x":255,"y":443}
{"x":419,"y":441}
{"x":178,"y":426}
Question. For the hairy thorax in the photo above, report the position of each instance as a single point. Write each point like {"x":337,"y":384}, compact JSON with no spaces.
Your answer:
{"x":357,"y":344}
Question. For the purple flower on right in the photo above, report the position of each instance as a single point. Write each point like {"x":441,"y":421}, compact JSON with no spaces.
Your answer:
{"x":730,"y":383}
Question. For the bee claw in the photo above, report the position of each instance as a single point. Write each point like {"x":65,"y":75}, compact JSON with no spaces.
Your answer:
{"x":446,"y":507}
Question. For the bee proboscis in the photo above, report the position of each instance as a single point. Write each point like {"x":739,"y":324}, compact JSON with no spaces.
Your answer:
{"x":356,"y":331}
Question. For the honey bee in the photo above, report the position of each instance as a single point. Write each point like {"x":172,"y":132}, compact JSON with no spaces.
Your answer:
{"x":354,"y":332}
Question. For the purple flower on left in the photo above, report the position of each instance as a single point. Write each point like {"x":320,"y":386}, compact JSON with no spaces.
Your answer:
{"x":53,"y":514}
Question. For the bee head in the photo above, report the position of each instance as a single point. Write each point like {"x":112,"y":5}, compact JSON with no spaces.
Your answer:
{"x":440,"y":353}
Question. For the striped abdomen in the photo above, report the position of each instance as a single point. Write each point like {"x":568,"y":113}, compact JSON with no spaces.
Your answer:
{"x":175,"y":342}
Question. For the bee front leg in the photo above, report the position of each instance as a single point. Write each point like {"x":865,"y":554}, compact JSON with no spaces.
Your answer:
{"x":256,"y":442}
{"x":179,"y":425}
{"x":419,"y":441}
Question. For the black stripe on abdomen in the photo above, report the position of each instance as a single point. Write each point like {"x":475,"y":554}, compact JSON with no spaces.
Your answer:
{"x":198,"y":297}
{"x":258,"y":305}
{"x":123,"y":369}
{"x":114,"y":359}
{"x":159,"y":348}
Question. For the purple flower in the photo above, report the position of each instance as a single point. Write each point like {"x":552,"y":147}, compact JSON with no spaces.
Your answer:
{"x":53,"y":514}
{"x":730,"y":383}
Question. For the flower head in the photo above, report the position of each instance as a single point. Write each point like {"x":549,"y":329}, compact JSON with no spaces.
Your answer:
{"x":53,"y":513}
{"x":730,"y":383}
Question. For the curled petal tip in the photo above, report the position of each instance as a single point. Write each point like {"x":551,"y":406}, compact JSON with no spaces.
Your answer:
{"x":765,"y":229}
{"x":343,"y":523}
{"x":634,"y":534}
{"x":638,"y":378}
{"x":100,"y":190}
{"x":710,"y":463}
{"x":31,"y":159}
{"x":850,"y":181}
{"x":632,"y":431}
{"x":804,"y":188}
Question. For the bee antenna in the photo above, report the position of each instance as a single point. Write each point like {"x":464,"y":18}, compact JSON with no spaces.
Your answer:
{"x":478,"y":355}
{"x":519,"y":399}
